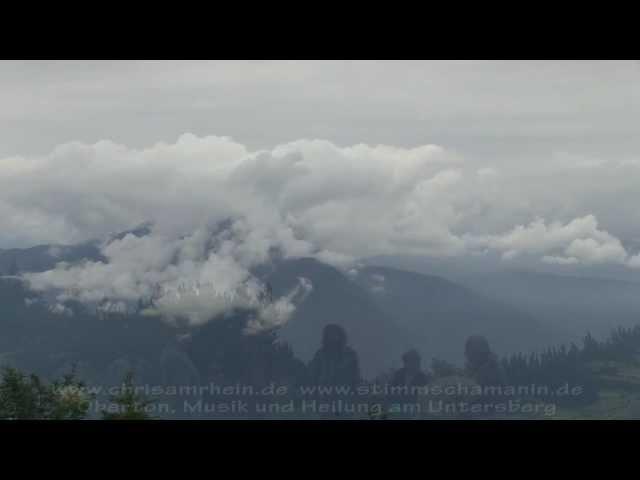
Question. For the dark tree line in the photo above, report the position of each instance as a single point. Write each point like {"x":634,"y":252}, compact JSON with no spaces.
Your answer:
{"x":622,"y":345}
{"x":553,"y":369}
{"x":220,"y":352}
{"x":574,"y":365}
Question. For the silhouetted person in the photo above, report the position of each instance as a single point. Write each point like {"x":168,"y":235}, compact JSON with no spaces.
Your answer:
{"x":482,"y":364}
{"x":410,"y":378}
{"x":411,"y":373}
{"x":335,"y":363}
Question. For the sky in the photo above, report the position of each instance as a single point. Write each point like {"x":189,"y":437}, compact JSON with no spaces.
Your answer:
{"x":485,"y":109}
{"x":338,"y":160}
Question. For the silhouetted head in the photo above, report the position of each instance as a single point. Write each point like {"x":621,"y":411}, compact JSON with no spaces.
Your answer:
{"x":334,"y":337}
{"x":477,"y":349}
{"x":411,"y":360}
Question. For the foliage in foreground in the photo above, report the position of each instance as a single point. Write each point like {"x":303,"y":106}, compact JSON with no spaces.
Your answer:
{"x":128,"y":404}
{"x":28,"y":397}
{"x":25,"y":396}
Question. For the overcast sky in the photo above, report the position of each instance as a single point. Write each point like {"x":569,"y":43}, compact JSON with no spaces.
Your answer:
{"x":504,"y":109}
{"x":526,"y":158}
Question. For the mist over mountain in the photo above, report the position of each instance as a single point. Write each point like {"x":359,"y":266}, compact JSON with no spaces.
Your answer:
{"x":570,"y":305}
{"x":375,"y":335}
{"x":319,"y":224}
{"x":439,"y":314}
{"x":45,"y":257}
{"x":565,"y":304}
{"x":384,"y":311}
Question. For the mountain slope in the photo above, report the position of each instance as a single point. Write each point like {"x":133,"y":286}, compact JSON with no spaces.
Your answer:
{"x":45,"y":257}
{"x":570,"y":305}
{"x":387,"y":311}
{"x":384,"y":311}
{"x":440,"y":315}
{"x":335,"y":299}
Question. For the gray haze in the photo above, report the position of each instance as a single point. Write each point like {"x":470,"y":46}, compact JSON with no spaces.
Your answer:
{"x":180,"y":181}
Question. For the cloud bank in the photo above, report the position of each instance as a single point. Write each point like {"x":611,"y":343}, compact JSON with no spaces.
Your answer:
{"x":304,"y":198}
{"x":194,"y":278}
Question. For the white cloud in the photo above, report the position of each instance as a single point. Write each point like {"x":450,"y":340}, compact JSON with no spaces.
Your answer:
{"x":303,"y":198}
{"x":277,"y":313}
{"x":590,"y":250}
{"x":194,"y":278}
{"x":579,"y":241}
{"x":310,"y":197}
{"x":326,"y":194}
{"x":634,"y":262}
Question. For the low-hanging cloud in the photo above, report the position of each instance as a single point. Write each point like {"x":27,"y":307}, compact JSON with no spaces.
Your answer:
{"x":304,"y":198}
{"x":195,"y":278}
{"x":578,"y":241}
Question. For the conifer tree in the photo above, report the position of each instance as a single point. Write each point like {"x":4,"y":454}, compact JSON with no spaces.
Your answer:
{"x":27,"y":397}
{"x":129,"y":405}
